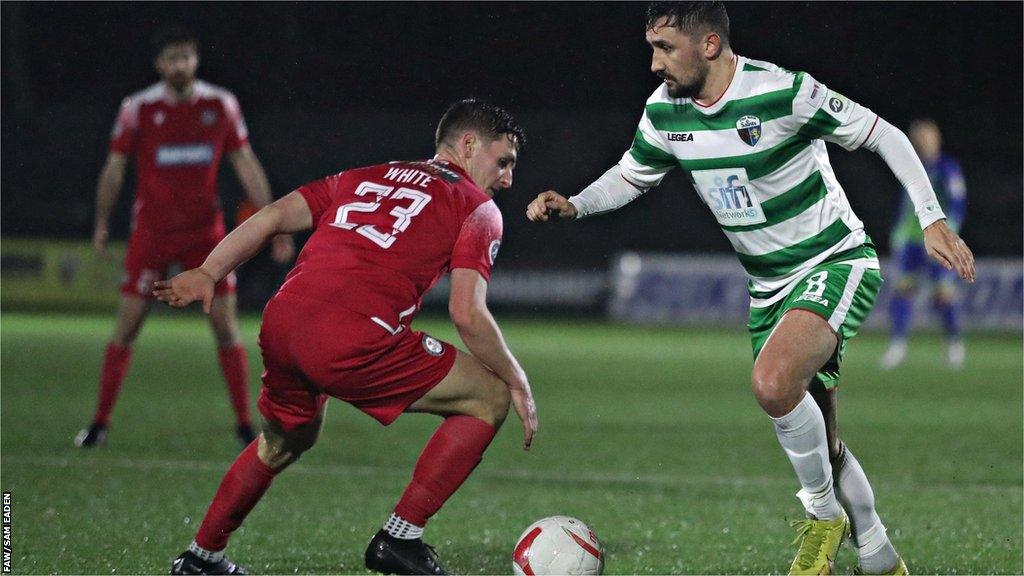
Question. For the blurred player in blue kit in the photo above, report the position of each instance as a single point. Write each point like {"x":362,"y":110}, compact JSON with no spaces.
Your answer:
{"x":908,"y":250}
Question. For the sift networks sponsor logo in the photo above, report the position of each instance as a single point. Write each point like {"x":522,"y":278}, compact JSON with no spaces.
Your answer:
{"x":7,"y":533}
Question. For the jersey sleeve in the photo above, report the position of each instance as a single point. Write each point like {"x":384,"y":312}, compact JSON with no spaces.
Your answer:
{"x":479,"y":239}
{"x":237,"y":132}
{"x":648,"y":160}
{"x":126,"y":128}
{"x":822,"y":113}
{"x":319,"y":195}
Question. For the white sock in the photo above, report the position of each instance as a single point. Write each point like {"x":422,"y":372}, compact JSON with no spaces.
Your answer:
{"x":802,"y":435}
{"x":402,"y":529}
{"x":874,"y":550}
{"x":204,"y":554}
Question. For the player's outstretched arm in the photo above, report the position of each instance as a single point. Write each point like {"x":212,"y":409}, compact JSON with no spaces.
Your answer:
{"x":107,"y":190}
{"x":609,"y":192}
{"x":477,"y":328}
{"x":257,"y":189}
{"x":287,"y":215}
{"x":942,"y":244}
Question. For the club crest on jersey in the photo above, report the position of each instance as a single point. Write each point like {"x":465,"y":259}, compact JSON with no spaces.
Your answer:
{"x":749,"y":129}
{"x":158,"y":118}
{"x":208,"y":117}
{"x":432,"y":345}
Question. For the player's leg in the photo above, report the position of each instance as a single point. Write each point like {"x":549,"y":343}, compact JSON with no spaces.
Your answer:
{"x":901,"y":306}
{"x":797,"y":341}
{"x":876,"y":554}
{"x":801,"y":343}
{"x":131,"y":314}
{"x":234,"y":363}
{"x":293,"y":416}
{"x":474,"y":403}
{"x":244,"y":484}
{"x":945,"y":304}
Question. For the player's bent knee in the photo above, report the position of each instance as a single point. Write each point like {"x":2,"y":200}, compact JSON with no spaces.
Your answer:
{"x":500,"y":401}
{"x":226,"y":334}
{"x":773,"y":390}
{"x":493,"y":403}
{"x":279,"y":449}
{"x":944,"y":298}
{"x":906,"y":288}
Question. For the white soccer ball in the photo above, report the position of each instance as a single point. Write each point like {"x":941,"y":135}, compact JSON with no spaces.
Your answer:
{"x":558,"y":545}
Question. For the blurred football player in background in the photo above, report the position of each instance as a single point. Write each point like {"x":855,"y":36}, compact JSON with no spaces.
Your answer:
{"x":908,"y":250}
{"x":178,"y":130}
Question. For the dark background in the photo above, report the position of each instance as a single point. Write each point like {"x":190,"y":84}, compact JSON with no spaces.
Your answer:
{"x":326,"y":86}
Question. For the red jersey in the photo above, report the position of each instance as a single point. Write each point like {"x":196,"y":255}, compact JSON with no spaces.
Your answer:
{"x":383,"y":235}
{"x":178,"y":145}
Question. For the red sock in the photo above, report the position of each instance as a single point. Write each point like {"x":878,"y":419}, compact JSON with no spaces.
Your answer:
{"x":235,"y":367}
{"x":448,"y":458}
{"x":242,"y":487}
{"x":115,"y":366}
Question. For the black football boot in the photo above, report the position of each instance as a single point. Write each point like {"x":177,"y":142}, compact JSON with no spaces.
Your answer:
{"x":94,"y":435}
{"x":189,"y":563}
{"x":390,"y":555}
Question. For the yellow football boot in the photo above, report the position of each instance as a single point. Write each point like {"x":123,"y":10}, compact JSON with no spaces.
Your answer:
{"x":818,"y":544}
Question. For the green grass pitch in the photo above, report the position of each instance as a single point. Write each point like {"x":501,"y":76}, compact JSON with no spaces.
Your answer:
{"x":650,"y":435}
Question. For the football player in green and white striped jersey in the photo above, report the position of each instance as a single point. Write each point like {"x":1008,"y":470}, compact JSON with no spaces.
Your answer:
{"x":750,"y":137}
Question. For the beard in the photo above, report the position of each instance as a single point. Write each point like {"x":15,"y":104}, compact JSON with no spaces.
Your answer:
{"x":180,"y":81}
{"x":691,"y":89}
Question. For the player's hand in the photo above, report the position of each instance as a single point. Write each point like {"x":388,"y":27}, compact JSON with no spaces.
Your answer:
{"x":522,"y":400}
{"x":282,"y":248}
{"x":186,"y":288}
{"x":949,"y":249}
{"x":100,"y":236}
{"x":550,"y":203}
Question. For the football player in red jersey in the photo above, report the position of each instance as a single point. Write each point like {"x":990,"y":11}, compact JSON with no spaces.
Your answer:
{"x":340,"y":326}
{"x":178,"y":129}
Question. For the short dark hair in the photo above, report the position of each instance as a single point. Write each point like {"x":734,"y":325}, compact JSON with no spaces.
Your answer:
{"x":473,"y":114}
{"x":171,"y":36}
{"x":691,"y":17}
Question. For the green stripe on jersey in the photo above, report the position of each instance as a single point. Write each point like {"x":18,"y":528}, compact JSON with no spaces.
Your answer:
{"x":758,"y":164}
{"x":788,"y":204}
{"x":865,"y":250}
{"x":669,"y":117}
{"x":648,"y":155}
{"x":821,"y":124}
{"x":785,"y":260}
{"x":748,"y":67}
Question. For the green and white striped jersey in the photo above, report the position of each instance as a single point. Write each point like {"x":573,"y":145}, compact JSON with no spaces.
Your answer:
{"x":757,"y":158}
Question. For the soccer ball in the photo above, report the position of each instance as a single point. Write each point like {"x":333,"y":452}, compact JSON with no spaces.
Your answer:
{"x":558,"y":545}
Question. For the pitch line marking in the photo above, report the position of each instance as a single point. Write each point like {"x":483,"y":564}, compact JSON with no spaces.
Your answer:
{"x":651,"y":480}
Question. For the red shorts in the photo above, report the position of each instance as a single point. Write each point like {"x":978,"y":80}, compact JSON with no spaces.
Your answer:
{"x":151,"y":254}
{"x":313,"y":349}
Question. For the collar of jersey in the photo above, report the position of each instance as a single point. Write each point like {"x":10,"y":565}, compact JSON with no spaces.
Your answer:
{"x":451,"y":166}
{"x":170,"y":98}
{"x":716,"y":106}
